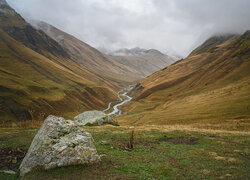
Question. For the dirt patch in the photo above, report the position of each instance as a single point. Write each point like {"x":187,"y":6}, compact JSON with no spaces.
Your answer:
{"x":147,"y":143}
{"x":181,"y":140}
{"x":10,"y":158}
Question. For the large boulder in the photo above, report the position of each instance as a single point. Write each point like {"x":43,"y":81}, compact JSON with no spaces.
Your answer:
{"x":59,"y":142}
{"x":94,"y":118}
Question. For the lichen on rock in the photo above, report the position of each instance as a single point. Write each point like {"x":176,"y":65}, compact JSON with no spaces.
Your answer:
{"x":59,"y":142}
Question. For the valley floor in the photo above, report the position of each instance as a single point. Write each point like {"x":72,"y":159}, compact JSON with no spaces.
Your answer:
{"x":169,"y":152}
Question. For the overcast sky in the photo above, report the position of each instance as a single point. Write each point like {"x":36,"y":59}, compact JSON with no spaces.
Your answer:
{"x":171,"y":26}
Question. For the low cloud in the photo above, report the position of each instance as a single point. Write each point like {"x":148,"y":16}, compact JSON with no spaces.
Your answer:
{"x":172,"y":26}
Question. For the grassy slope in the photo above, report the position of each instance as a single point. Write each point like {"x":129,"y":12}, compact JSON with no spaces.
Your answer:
{"x":216,"y":156}
{"x":40,"y":77}
{"x":205,"y":89}
{"x":34,"y":82}
{"x":16,"y":27}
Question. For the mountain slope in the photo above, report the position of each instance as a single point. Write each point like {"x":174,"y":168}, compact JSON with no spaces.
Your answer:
{"x":39,"y":76}
{"x":95,"y":61}
{"x":14,"y":25}
{"x":144,"y":61}
{"x":211,"y":86}
{"x":32,"y":85}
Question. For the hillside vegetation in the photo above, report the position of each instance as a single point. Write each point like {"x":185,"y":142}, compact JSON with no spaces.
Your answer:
{"x":210,"y":88}
{"x":33,"y":86}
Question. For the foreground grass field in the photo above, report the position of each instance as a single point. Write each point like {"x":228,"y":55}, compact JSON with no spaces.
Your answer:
{"x":158,"y":154}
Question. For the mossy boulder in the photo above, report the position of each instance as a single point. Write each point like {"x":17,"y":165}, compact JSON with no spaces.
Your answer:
{"x":59,"y":142}
{"x":95,"y":117}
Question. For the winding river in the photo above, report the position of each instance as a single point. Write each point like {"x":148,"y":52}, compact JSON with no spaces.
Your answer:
{"x":126,"y":98}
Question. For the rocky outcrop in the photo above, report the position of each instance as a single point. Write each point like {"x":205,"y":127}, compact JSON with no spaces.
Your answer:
{"x":94,"y":118}
{"x":59,"y":142}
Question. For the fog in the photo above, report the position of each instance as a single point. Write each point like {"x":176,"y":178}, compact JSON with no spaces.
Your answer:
{"x":172,"y":26}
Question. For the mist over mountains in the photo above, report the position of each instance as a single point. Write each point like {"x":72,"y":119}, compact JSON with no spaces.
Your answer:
{"x":173,"y":27}
{"x":144,"y":61}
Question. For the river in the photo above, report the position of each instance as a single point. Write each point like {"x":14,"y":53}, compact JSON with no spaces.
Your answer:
{"x":126,"y":98}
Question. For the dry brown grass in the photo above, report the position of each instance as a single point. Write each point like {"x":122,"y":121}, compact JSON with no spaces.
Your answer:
{"x":208,"y":91}
{"x":164,"y":128}
{"x":46,"y":83}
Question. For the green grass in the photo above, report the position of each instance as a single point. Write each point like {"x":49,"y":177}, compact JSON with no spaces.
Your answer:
{"x":215,"y":156}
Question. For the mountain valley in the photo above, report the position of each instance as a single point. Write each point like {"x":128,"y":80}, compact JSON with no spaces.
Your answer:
{"x":61,"y":75}
{"x":72,"y":107}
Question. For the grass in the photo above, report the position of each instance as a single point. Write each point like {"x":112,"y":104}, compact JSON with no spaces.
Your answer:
{"x":217,"y":155}
{"x":226,"y":107}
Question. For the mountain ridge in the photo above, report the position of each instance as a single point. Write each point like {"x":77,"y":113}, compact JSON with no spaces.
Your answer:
{"x":142,"y":60}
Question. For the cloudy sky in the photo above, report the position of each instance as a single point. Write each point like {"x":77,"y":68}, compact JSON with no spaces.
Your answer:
{"x":172,"y":26}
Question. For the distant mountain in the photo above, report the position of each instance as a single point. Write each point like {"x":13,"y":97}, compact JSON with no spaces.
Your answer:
{"x":131,"y":64}
{"x":129,"y":52}
{"x":208,"y":88}
{"x":144,"y":61}
{"x":96,"y":62}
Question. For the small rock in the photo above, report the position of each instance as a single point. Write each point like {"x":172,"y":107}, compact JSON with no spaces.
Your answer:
{"x":8,"y":172}
{"x":105,"y":143}
{"x":103,"y":155}
{"x":127,"y":149}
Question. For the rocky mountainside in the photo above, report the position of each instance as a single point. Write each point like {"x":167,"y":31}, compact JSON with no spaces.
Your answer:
{"x":210,"y":86}
{"x":144,"y":61}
